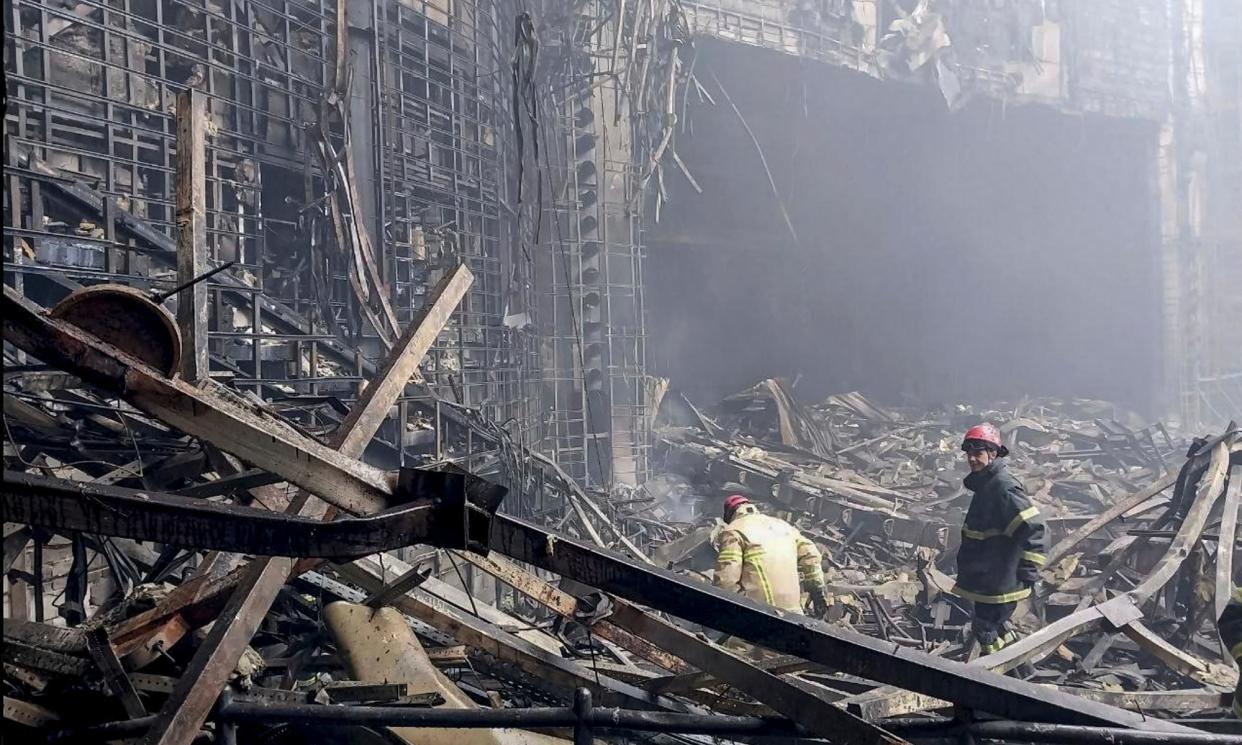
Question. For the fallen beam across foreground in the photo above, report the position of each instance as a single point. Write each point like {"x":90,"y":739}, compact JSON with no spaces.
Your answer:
{"x":804,"y":637}
{"x":96,"y":509}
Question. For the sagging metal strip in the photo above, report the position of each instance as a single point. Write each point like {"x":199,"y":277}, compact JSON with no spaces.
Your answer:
{"x":808,"y":638}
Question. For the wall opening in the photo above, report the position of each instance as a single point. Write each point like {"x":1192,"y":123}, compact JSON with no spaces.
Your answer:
{"x":976,"y":255}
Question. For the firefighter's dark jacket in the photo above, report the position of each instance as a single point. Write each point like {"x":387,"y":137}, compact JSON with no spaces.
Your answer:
{"x":1231,"y":632}
{"x":1002,"y":539}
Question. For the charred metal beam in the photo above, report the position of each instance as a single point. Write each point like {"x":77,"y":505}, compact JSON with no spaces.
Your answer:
{"x":427,"y":515}
{"x":115,"y":678}
{"x":797,"y":635}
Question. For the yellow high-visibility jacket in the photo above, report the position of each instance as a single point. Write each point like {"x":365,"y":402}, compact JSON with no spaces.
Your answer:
{"x":767,"y":560}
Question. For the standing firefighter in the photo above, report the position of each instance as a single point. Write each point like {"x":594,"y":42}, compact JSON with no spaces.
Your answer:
{"x":1230,"y":626}
{"x":1002,"y":540}
{"x":767,"y":559}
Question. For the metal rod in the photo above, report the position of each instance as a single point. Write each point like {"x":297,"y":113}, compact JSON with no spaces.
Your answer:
{"x":585,"y":718}
{"x":159,"y":297}
{"x":1069,"y":733}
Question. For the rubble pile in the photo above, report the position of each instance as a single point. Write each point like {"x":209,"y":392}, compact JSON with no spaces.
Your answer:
{"x":880,"y":490}
{"x":126,"y":619}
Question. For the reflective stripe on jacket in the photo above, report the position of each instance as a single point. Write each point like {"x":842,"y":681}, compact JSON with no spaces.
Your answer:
{"x":1002,"y":547}
{"x":1230,"y":626}
{"x":767,"y":560}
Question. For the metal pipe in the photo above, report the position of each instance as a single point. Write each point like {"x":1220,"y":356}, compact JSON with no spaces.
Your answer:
{"x":110,"y":731}
{"x":582,"y":717}
{"x":583,"y":733}
{"x":1070,"y":733}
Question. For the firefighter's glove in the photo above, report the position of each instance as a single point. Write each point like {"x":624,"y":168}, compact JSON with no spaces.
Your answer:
{"x":819,"y":603}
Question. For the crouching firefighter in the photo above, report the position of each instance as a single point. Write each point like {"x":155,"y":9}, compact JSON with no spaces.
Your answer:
{"x":768,"y":560}
{"x":1002,"y":546}
{"x":1230,"y":625}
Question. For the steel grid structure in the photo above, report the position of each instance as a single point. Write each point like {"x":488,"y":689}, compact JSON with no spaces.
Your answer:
{"x":591,"y":309}
{"x":92,"y":87}
{"x":1217,"y":388}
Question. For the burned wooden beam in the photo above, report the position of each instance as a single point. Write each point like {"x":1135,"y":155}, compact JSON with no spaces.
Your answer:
{"x":553,"y":669}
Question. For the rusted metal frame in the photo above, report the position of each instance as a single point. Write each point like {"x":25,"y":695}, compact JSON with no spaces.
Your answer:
{"x":416,"y":575}
{"x":114,"y":675}
{"x":209,"y":411}
{"x":551,"y":669}
{"x":808,"y":638}
{"x":83,"y":507}
{"x":565,"y":606}
{"x":578,"y":497}
{"x":186,"y":709}
{"x":179,"y":720}
{"x":192,"y":307}
{"x":277,"y":313}
{"x":794,"y":698}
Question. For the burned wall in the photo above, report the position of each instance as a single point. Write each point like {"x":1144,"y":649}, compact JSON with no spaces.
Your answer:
{"x":92,"y":89}
{"x":982,"y":254}
{"x":1106,"y":56}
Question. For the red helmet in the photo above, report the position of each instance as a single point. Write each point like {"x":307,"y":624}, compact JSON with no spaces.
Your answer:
{"x":732,"y":502}
{"x":987,"y":433}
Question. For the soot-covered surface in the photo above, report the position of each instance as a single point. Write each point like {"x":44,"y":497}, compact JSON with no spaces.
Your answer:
{"x":982,"y":254}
